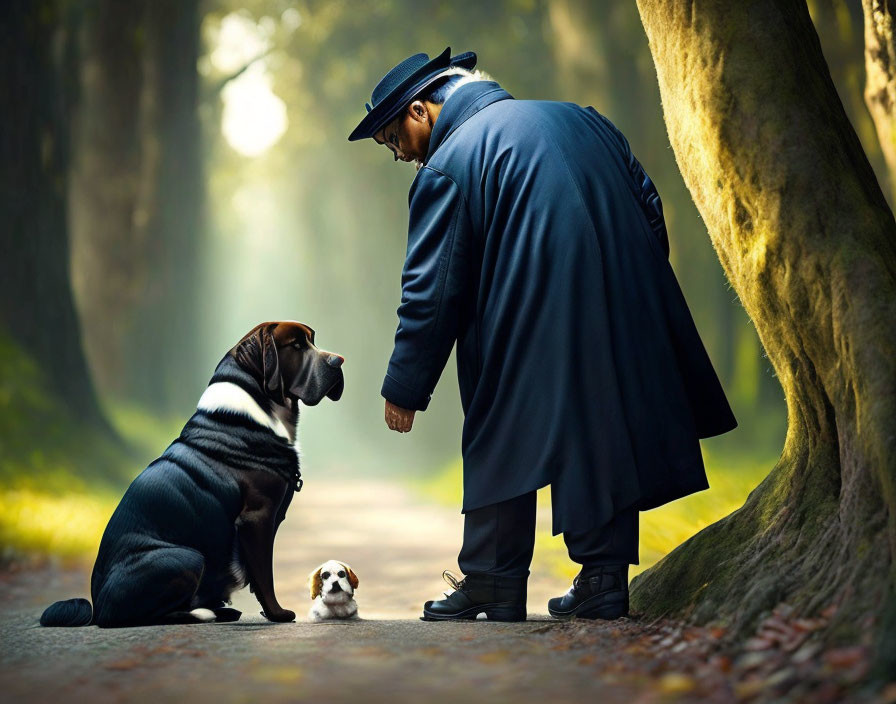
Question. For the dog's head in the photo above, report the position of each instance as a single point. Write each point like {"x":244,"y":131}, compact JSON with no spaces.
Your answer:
{"x":334,"y":582}
{"x":283,"y":359}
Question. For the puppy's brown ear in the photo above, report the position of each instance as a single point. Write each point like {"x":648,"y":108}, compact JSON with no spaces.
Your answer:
{"x":315,"y":583}
{"x":352,"y":577}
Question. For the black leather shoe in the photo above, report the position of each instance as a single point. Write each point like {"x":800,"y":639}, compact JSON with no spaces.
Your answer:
{"x":598,"y":592}
{"x":500,"y":598}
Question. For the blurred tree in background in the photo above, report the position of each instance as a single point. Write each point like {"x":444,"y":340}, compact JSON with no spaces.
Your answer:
{"x":210,"y":185}
{"x":137,"y":199}
{"x":37,"y":44}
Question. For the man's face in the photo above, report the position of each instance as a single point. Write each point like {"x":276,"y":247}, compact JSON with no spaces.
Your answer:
{"x":407,"y":136}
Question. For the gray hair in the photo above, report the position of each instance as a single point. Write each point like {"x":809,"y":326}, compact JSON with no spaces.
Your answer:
{"x":447,"y":82}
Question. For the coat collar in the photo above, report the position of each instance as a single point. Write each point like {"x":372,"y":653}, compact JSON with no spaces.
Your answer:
{"x":465,"y":102}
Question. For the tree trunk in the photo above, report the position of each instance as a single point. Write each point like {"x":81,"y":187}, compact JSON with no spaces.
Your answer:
{"x":38,"y":58}
{"x":807,"y":240}
{"x":880,"y":77}
{"x":109,"y":269}
{"x":839,"y":24}
{"x":137,"y":200}
{"x":162,"y":341}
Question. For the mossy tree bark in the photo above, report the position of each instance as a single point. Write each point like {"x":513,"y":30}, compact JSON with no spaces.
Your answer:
{"x":807,"y":240}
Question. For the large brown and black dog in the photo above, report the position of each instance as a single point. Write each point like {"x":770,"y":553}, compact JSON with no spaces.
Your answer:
{"x":199,"y":522}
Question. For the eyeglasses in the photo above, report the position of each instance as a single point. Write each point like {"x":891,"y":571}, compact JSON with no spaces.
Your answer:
{"x":391,"y":136}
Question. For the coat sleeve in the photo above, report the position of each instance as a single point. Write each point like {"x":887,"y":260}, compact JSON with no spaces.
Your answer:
{"x":433,"y":280}
{"x":644,"y":187}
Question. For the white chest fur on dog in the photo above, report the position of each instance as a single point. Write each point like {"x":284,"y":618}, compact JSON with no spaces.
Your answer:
{"x":224,"y":395}
{"x":332,"y":588}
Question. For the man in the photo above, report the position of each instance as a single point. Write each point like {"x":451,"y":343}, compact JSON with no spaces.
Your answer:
{"x":537,"y":242}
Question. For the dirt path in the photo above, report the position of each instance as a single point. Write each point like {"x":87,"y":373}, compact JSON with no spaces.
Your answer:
{"x":398,"y":545}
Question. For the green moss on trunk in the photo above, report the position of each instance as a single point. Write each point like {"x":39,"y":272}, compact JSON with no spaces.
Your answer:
{"x":805,"y":236}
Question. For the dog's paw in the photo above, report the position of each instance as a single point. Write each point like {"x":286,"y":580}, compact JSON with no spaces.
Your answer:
{"x":204,"y":615}
{"x":281,"y":616}
{"x":226,"y":614}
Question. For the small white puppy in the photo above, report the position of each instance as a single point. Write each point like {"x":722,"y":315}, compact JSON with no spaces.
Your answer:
{"x":333,"y":587}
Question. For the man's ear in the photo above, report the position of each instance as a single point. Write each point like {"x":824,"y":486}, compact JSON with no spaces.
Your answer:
{"x":315,"y":583}
{"x":418,"y":112}
{"x":352,"y":577}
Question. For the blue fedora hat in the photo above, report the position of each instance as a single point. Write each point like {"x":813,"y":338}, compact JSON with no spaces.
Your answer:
{"x":398,"y":87}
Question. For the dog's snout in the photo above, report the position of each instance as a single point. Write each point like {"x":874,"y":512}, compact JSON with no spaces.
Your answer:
{"x":335,"y":360}
{"x":336,"y":587}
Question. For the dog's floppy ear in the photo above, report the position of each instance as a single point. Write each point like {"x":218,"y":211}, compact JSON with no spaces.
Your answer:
{"x":257,"y":353}
{"x":273,"y":379}
{"x":352,"y":577}
{"x":315,"y":583}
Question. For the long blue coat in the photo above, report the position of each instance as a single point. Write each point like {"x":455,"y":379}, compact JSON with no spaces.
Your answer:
{"x":537,"y":243}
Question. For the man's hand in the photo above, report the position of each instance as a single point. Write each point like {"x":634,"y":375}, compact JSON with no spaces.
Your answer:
{"x":399,"y":419}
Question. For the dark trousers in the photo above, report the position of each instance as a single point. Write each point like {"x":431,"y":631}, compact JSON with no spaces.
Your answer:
{"x":499,"y":539}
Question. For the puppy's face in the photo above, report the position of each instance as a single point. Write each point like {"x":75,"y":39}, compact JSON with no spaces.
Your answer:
{"x":334,"y":582}
{"x":284,"y":359}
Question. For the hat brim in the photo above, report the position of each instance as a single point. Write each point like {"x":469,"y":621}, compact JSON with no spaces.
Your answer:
{"x":388,"y":108}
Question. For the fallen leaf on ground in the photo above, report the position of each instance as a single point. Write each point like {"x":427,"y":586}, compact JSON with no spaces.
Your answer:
{"x":127,"y":664}
{"x":494,"y":657}
{"x":721,"y":662}
{"x":284,"y":674}
{"x":676,"y":683}
{"x":757,"y":643}
{"x":845,"y":657}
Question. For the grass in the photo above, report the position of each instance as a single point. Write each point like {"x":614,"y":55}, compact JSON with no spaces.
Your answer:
{"x":52,"y":507}
{"x":42,"y":445}
{"x":731,"y":479}
{"x":68,"y":526}
{"x":60,"y":478}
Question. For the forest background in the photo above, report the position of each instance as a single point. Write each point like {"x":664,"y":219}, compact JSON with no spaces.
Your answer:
{"x":194,"y":179}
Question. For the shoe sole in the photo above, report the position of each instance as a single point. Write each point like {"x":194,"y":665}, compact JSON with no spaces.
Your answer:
{"x":605,"y":611}
{"x":493,"y":612}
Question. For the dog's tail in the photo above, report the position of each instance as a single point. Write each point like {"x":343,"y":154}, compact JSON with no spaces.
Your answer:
{"x":71,"y":612}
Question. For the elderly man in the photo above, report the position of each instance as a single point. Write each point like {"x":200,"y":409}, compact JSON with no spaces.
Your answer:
{"x":537,"y":243}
